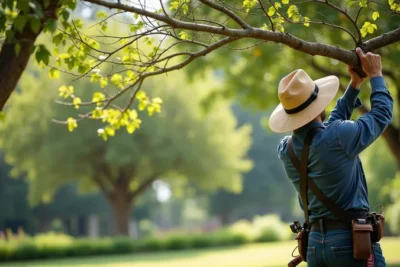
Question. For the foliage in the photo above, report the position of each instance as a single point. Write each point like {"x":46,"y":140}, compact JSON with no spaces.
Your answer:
{"x":118,"y":62}
{"x":55,"y":245}
{"x":179,"y":146}
{"x":267,"y":228}
{"x":266,"y":188}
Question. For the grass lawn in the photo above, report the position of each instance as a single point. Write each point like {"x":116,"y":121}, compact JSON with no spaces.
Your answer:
{"x":255,"y":255}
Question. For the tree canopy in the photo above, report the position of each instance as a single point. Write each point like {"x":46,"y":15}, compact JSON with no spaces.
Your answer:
{"x":161,"y":37}
{"x":180,"y":146}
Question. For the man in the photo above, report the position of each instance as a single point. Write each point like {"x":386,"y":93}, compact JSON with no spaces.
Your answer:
{"x":333,"y":160}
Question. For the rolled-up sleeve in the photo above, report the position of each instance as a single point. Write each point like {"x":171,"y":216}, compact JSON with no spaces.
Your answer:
{"x":355,"y":136}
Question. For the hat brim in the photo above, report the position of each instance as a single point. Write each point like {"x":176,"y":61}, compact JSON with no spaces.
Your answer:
{"x":281,"y":122}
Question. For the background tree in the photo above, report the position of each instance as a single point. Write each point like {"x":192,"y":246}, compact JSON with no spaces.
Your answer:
{"x":179,"y":146}
{"x":168,"y":37}
{"x":266,"y":188}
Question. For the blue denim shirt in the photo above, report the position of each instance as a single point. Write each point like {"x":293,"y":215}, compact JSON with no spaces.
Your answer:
{"x":334,"y":164}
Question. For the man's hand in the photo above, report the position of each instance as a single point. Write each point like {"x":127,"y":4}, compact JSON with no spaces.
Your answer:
{"x":370,"y":63}
{"x":356,"y":80}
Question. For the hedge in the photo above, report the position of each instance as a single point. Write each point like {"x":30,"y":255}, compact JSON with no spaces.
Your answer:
{"x":53,"y":245}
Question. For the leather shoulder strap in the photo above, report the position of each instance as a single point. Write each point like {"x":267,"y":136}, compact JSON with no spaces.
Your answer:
{"x":305,"y":181}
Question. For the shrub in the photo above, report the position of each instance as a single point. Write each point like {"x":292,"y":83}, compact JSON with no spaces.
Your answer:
{"x":151,"y":244}
{"x":243,"y":228}
{"x":124,"y":245}
{"x":270,"y":228}
{"x":177,"y":243}
{"x":203,"y":241}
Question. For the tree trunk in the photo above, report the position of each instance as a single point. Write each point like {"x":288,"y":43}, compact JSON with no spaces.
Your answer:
{"x":11,"y":65}
{"x":121,"y":206}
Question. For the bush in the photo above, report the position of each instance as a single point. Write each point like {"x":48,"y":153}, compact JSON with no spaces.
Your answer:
{"x":177,"y":243}
{"x":270,"y":228}
{"x":56,"y":245}
{"x":124,"y":245}
{"x":151,"y":244}
{"x":203,"y":241}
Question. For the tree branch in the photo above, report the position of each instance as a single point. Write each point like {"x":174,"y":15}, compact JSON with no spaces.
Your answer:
{"x":228,"y":12}
{"x":143,"y":186}
{"x":312,"y":48}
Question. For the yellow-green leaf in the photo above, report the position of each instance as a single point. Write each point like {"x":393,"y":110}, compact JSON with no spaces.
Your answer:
{"x":72,"y":124}
{"x":54,"y":74}
{"x":98,"y":97}
{"x":306,"y":21}
{"x":375,"y":15}
{"x":285,"y":2}
{"x":77,"y":101}
{"x":110,"y":131}
{"x":103,"y":82}
{"x":271,"y":11}
{"x":116,"y":79}
{"x":183,"y":35}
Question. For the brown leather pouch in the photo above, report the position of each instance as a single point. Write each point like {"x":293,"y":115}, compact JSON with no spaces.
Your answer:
{"x":361,"y":240}
{"x":302,"y":242}
{"x":379,"y":228}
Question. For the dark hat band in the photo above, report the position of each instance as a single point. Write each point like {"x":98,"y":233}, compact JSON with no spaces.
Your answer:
{"x":305,"y":104}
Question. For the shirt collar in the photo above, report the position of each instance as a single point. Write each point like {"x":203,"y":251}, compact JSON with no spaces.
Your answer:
{"x":302,"y":132}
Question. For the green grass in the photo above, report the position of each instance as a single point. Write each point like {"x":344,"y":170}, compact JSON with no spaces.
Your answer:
{"x":255,"y":255}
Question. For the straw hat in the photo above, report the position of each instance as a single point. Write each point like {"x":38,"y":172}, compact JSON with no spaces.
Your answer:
{"x":302,"y":100}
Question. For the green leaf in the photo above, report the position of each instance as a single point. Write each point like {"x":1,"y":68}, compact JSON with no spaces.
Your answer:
{"x":285,"y":2}
{"x":2,"y":116}
{"x":101,"y":15}
{"x":375,"y":15}
{"x":35,"y":25}
{"x":17,"y":48}
{"x":391,"y":2}
{"x":57,"y":39}
{"x":54,"y":74}
{"x":65,"y":14}
{"x":20,"y":22}
{"x":42,"y":54}
{"x":78,"y":23}
{"x":51,"y":25}
{"x":363,"y":3}
{"x":72,"y":124}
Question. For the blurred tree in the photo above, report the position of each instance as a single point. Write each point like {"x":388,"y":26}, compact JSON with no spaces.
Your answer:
{"x":162,"y":38}
{"x":265,"y":187}
{"x":179,"y":146}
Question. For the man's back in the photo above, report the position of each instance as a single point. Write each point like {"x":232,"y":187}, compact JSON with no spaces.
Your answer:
{"x":334,"y":164}
{"x":333,"y":160}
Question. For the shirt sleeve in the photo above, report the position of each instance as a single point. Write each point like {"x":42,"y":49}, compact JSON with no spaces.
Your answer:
{"x":345,"y":105}
{"x":355,"y":136}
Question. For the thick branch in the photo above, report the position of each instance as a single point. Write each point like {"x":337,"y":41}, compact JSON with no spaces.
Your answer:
{"x":382,"y":40}
{"x":312,"y":48}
